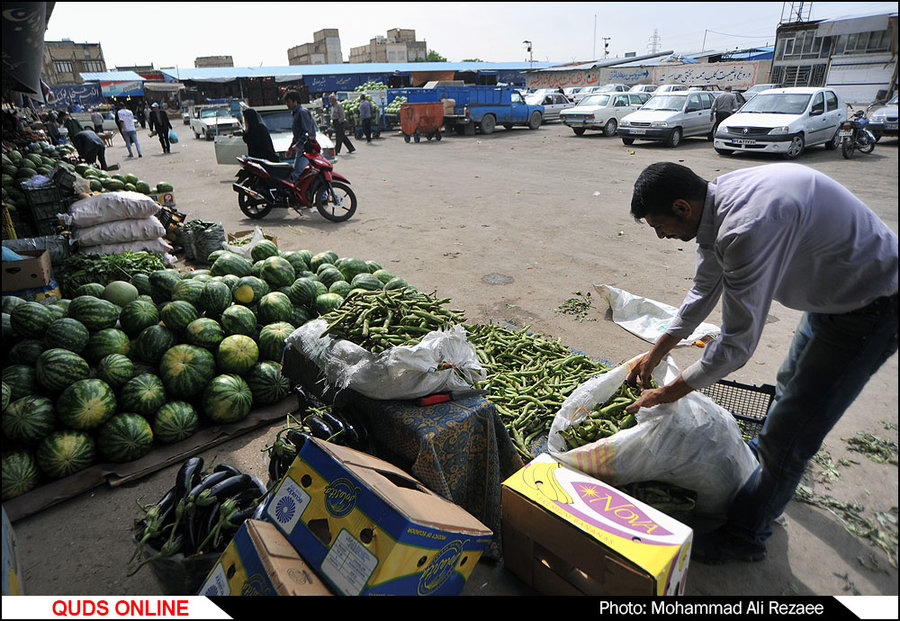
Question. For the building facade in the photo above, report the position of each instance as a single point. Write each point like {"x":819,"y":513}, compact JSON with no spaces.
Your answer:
{"x":325,"y":49}
{"x":399,"y":46}
{"x":65,"y":60}
{"x":213,"y":61}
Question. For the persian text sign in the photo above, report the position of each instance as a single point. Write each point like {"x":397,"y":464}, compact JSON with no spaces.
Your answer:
{"x":736,"y":75}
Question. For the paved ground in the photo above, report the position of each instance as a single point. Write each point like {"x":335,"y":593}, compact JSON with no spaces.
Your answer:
{"x":549,"y":210}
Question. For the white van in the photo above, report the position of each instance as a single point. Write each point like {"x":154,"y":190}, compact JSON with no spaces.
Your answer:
{"x":784,"y":121}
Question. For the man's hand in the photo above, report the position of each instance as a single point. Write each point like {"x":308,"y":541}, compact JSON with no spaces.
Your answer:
{"x":291,"y":150}
{"x":655,"y":396}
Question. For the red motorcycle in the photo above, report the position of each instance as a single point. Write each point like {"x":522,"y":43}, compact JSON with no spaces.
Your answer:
{"x":263,"y":185}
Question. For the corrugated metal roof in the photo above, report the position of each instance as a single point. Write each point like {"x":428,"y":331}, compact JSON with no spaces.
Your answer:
{"x":609,"y":62}
{"x":112,"y":76}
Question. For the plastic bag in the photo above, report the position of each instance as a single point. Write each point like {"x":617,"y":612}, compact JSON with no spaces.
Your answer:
{"x":648,"y":319}
{"x":173,"y":137}
{"x":244,"y":249}
{"x":119,"y":232}
{"x":443,"y":361}
{"x":110,"y":207}
{"x":692,"y":443}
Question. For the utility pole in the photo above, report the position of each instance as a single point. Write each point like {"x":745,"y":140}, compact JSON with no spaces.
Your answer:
{"x":594,"y":53}
{"x":654,"y":41}
{"x":530,"y":55}
{"x":606,"y":47}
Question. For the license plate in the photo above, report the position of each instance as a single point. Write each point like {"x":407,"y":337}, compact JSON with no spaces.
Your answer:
{"x":639,"y":132}
{"x":891,"y":126}
{"x":845,"y":132}
{"x":743,"y":141}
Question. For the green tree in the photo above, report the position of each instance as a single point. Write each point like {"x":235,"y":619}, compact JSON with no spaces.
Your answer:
{"x":433,"y":57}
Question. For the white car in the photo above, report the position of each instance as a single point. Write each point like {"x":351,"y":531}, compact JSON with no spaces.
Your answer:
{"x":756,"y":89}
{"x":613,"y":88}
{"x":670,"y":88}
{"x":553,"y":103}
{"x":585,"y":91}
{"x":278,"y":121}
{"x":669,"y":118}
{"x":784,"y":121}
{"x":207,"y":122}
{"x":602,"y":112}
{"x":642,"y":88}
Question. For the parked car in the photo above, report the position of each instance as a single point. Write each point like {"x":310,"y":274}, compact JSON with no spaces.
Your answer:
{"x":602,"y":112}
{"x":669,"y":118}
{"x":670,"y":88}
{"x":553,"y":103}
{"x":613,"y":88}
{"x":207,"y":122}
{"x":785,"y":121}
{"x":585,"y":91}
{"x":883,"y":119}
{"x":278,"y":121}
{"x":756,"y":89}
{"x":642,"y":88}
{"x":571,"y":90}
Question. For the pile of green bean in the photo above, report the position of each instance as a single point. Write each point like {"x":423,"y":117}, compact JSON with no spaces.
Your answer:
{"x":529,"y":376}
{"x":606,"y":419}
{"x":377,"y":320}
{"x":666,"y":497}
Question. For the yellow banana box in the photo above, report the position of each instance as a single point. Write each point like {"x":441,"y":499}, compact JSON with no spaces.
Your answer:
{"x":368,"y":528}
{"x":567,"y":533}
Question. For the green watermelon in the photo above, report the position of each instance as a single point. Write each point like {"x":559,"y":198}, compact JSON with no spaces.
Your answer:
{"x":328,"y":274}
{"x":163,"y":187}
{"x":105,"y":342}
{"x":204,"y":332}
{"x":56,"y":369}
{"x":317,"y":260}
{"x":162,"y":284}
{"x":236,"y":354}
{"x":396,"y":283}
{"x":304,"y":293}
{"x":231,"y":263}
{"x":383,"y":275}
{"x":227,"y":399}
{"x":65,"y":452}
{"x":31,"y":319}
{"x":120,"y":292}
{"x":7,"y":395}
{"x":250,"y":290}
{"x":9,"y":302}
{"x":25,"y":351}
{"x":94,"y":289}
{"x":21,"y":380}
{"x":175,"y":421}
{"x":267,"y":383}
{"x":86,"y":404}
{"x":373,"y":266}
{"x":277,"y":272}
{"x":215,"y":254}
{"x":125,"y":437}
{"x":189,"y":290}
{"x":142,"y":394}
{"x":20,"y":473}
{"x":238,"y":319}
{"x":186,"y":369}
{"x":271,"y":340}
{"x":299,"y":316}
{"x":177,"y":315}
{"x":152,"y":343}
{"x":215,"y":298}
{"x":366,"y":281}
{"x":58,"y":311}
{"x":138,"y":315}
{"x":263,"y":250}
{"x":328,"y":302}
{"x":351,"y":266}
{"x":115,"y":369}
{"x":29,"y":420}
{"x":142,"y":283}
{"x":94,"y":313}
{"x":274,"y":307}
{"x":341,"y":287}
{"x":229,"y":279}
{"x":296,"y":260}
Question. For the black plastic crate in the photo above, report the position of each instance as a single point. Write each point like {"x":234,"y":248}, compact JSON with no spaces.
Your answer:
{"x":749,"y":404}
{"x":42,"y":195}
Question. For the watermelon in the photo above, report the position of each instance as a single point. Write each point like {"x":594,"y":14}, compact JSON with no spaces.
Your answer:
{"x":138,"y":315}
{"x":373,"y":266}
{"x":237,"y":354}
{"x":328,"y":274}
{"x":328,"y":302}
{"x":105,"y":342}
{"x":263,"y":250}
{"x":238,"y":319}
{"x":94,"y":313}
{"x":317,"y":260}
{"x":204,"y":332}
{"x":9,"y":302}
{"x":25,"y":351}
{"x":115,"y":369}
{"x":163,"y":187}
{"x":383,"y":275}
{"x":94,"y":289}
{"x":7,"y":395}
{"x":31,"y":319}
{"x":203,"y":275}
{"x":56,"y":369}
{"x":297,"y":261}
{"x":267,"y":383}
{"x":271,"y":340}
{"x":299,"y":316}
{"x":177,"y":315}
{"x":341,"y":287}
{"x":152,"y":343}
{"x":86,"y":404}
{"x":175,"y":421}
{"x":162,"y":284}
{"x":215,"y":298}
{"x":142,"y":394}
{"x":58,"y":311}
{"x":250,"y":290}
{"x":188,"y":290}
{"x":29,"y":420}
{"x":396,"y":283}
{"x":277,"y":272}
{"x":142,"y":283}
{"x":229,"y":279}
{"x":304,"y":293}
{"x":65,"y":452}
{"x":120,"y":292}
{"x":186,"y":369}
{"x":274,"y":307}
{"x":215,"y":254}
{"x":125,"y":437}
{"x":21,"y":380}
{"x":227,"y":399}
{"x":351,"y":266}
{"x":231,"y":263}
{"x":20,"y":473}
{"x":366,"y":281}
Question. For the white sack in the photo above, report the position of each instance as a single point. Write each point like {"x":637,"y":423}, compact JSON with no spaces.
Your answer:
{"x":119,"y":232}
{"x":155,"y":246}
{"x":110,"y":207}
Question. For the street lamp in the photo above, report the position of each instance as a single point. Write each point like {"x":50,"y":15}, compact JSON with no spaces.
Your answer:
{"x":530,"y":56}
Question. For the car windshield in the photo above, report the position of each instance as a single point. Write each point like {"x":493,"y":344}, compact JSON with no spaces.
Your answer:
{"x":534,"y":100}
{"x":594,"y":100}
{"x":608,"y":88}
{"x":893,"y":101}
{"x":213,"y":112}
{"x":777,"y":103}
{"x":277,"y":120}
{"x":665,"y":102}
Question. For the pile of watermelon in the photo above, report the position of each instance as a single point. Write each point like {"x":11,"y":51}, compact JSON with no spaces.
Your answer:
{"x":120,"y":368}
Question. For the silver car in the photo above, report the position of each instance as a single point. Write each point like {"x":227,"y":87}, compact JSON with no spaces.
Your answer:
{"x":602,"y":112}
{"x":553,"y":103}
{"x":883,"y":119}
{"x":669,"y":118}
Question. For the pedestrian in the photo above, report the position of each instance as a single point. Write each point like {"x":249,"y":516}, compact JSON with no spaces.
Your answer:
{"x":52,"y":128}
{"x":72,"y":125}
{"x":777,"y":232}
{"x":159,"y":122}
{"x":338,"y":119}
{"x":90,"y":147}
{"x":141,"y":116}
{"x":97,"y":120}
{"x":365,"y":115}
{"x":257,"y":137}
{"x":304,"y":129}
{"x":723,"y":107}
{"x":129,"y":133}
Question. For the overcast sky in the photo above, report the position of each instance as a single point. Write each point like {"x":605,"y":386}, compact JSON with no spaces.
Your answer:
{"x":260,"y":33}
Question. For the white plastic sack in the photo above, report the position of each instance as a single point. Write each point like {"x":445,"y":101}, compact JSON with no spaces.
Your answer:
{"x":110,"y":207}
{"x":649,"y":319}
{"x":244,"y":249}
{"x":443,"y":361}
{"x":119,"y":232}
{"x":692,"y":443}
{"x":155,"y":246}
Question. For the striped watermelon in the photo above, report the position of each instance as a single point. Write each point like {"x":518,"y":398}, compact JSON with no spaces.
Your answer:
{"x":29,"y":420}
{"x":317,"y":260}
{"x":67,"y":333}
{"x":31,"y":319}
{"x":86,"y":404}
{"x":297,"y":261}
{"x":304,"y":292}
{"x":263,"y":249}
{"x":143,"y":394}
{"x":25,"y":351}
{"x":141,"y":283}
{"x":152,"y":343}
{"x":238,"y":319}
{"x":7,"y":393}
{"x":120,"y":292}
{"x":277,"y":272}
{"x":256,"y":270}
{"x":137,"y":315}
{"x":162,"y":284}
{"x":328,"y":274}
{"x":188,"y":290}
{"x":94,"y":313}
{"x":20,"y":473}
{"x":250,"y":290}
{"x":271,"y":340}
{"x":94,"y":289}
{"x":115,"y":369}
{"x":267,"y":383}
{"x":204,"y":332}
{"x":328,"y":302}
{"x":231,"y":263}
{"x":215,"y":254}
{"x":65,"y":452}
{"x":186,"y":369}
{"x":177,"y":315}
{"x":366,"y":281}
{"x":227,"y":399}
{"x":396,"y":283}
{"x":216,"y":297}
{"x":56,"y":369}
{"x":125,"y":437}
{"x":9,"y":302}
{"x":175,"y":421}
{"x":57,"y":310}
{"x":21,"y":380}
{"x":105,"y":342}
{"x":237,"y":354}
{"x":299,"y":316}
{"x":274,"y":307}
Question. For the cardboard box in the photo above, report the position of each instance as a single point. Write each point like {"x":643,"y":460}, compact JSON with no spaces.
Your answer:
{"x":29,"y":273}
{"x":12,"y":568}
{"x":368,"y":528}
{"x":260,"y":561}
{"x":567,"y":533}
{"x":50,"y":290}
{"x":233,"y":237}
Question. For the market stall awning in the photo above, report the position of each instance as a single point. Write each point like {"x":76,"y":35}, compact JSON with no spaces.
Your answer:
{"x":24,"y":24}
{"x":163,"y":87}
{"x":111,"y":76}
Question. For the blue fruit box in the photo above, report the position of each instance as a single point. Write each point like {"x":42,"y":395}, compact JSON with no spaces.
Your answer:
{"x":368,"y":528}
{"x":12,"y":568}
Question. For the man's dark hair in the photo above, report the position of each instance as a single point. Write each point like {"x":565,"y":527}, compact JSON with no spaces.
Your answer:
{"x":292,"y":95}
{"x":660,"y":185}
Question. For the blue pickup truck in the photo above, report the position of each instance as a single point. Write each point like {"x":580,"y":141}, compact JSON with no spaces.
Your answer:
{"x":480,"y":107}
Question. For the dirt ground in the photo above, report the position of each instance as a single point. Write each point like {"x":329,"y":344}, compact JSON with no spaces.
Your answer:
{"x":548,"y":211}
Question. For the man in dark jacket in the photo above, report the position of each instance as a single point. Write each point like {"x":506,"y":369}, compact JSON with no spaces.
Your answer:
{"x":159,"y":122}
{"x":303,"y":127}
{"x":90,"y":147}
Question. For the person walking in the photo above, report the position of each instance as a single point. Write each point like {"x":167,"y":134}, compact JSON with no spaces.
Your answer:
{"x":257,"y":137}
{"x":338,"y":119}
{"x":723,"y":107}
{"x":786,"y":233}
{"x":97,"y":120}
{"x":141,"y":116}
{"x":304,"y":128}
{"x":365,"y":115}
{"x":129,"y":133}
{"x":90,"y":147}
{"x":159,"y":122}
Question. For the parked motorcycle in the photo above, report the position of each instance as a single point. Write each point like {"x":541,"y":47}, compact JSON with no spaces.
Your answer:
{"x":263,"y":185}
{"x":855,"y":136}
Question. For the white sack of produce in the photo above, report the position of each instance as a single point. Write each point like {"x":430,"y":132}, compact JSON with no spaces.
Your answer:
{"x":692,"y":443}
{"x":156,"y":246}
{"x":648,"y":319}
{"x":443,"y":361}
{"x":119,"y":232}
{"x":110,"y":207}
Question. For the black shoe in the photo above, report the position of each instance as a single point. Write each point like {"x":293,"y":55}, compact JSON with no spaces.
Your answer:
{"x":718,"y":548}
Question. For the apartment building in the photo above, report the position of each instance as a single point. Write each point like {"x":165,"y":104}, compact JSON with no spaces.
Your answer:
{"x":64,"y":61}
{"x":398,"y":46}
{"x":325,"y":49}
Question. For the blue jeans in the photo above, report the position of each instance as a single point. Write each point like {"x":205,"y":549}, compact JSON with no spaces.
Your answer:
{"x":129,"y":138}
{"x":300,"y":162}
{"x":829,"y":362}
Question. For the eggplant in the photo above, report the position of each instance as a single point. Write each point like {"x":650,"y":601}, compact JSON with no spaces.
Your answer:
{"x":318,"y":427}
{"x":187,"y":477}
{"x":226,"y":468}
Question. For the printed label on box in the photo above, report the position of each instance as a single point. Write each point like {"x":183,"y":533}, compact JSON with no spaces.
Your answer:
{"x":288,"y":505}
{"x":349,"y":564}
{"x":217,"y":582}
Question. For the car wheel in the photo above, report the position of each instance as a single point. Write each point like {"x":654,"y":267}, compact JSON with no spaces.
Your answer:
{"x":535,"y":121}
{"x":627,"y":141}
{"x":196,"y":135}
{"x":796,"y":147}
{"x":835,"y":142}
{"x":674,"y":138}
{"x":579,"y":131}
{"x":609,"y":130}
{"x":488,"y":123}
